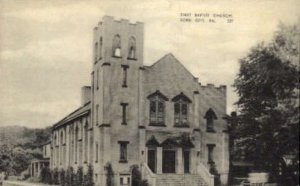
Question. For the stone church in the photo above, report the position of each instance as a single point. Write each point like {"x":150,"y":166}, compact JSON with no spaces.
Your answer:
{"x":158,"y":117}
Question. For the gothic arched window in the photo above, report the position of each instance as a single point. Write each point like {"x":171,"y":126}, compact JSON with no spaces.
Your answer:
{"x":116,"y":47}
{"x":181,"y":110}
{"x":157,"y":108}
{"x":210,"y":116}
{"x":132,"y":48}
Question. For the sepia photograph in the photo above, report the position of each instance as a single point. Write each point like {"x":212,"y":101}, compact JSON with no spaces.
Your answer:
{"x":149,"y":93}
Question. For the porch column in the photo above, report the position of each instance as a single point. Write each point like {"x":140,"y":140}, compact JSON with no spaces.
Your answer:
{"x":193,"y":163}
{"x":179,"y":161}
{"x":159,"y":154}
{"x":37,"y":169}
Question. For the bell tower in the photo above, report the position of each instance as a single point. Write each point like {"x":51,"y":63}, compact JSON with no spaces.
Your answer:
{"x":116,"y":88}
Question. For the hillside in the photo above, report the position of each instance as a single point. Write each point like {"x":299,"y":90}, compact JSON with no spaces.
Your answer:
{"x":19,"y":145}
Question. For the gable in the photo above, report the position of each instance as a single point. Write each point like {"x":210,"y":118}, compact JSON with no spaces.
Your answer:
{"x":170,"y":77}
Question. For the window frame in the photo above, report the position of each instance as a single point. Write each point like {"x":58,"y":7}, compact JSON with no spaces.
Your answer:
{"x":210,"y":116}
{"x":124,"y":113}
{"x":123,"y":151}
{"x":132,"y":48}
{"x":116,"y":45}
{"x":125,"y":75}
{"x":157,"y":118}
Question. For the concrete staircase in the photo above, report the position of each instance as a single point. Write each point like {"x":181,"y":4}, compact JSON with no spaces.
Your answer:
{"x":179,"y":180}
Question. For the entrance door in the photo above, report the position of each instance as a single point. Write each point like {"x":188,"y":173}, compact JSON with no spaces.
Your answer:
{"x":186,"y":160}
{"x":169,"y":157}
{"x":152,"y":160}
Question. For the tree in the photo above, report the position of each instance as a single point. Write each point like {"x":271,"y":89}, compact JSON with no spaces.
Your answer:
{"x":268,"y":89}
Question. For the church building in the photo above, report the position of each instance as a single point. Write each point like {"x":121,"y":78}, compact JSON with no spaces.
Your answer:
{"x":158,"y":117}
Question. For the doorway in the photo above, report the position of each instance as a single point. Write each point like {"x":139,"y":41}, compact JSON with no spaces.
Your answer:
{"x":186,"y":161}
{"x":169,"y":157}
{"x":152,"y":160}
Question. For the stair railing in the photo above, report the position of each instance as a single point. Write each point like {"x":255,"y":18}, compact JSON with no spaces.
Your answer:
{"x":205,"y":174}
{"x":148,"y":174}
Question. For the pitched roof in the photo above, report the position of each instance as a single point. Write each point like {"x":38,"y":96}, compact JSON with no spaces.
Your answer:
{"x":83,"y":110}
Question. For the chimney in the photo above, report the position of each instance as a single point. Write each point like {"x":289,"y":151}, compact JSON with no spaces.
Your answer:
{"x":85,"y":95}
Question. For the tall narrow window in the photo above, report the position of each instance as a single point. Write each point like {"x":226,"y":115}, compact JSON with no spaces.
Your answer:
{"x":71,"y":146}
{"x":210,"y":156}
{"x":116,"y":49}
{"x":124,"y":118}
{"x":210,"y":116}
{"x":61,"y":147}
{"x":85,"y":142}
{"x":96,"y":153}
{"x":132,"y":48}
{"x":100,"y":47}
{"x":181,"y":109}
{"x":157,"y":108}
{"x":123,"y":151}
{"x":97,"y":79}
{"x":96,"y":51}
{"x":76,"y":143}
{"x":124,"y":67}
{"x":97,"y":114}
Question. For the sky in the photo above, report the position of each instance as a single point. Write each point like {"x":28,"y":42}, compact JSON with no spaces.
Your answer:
{"x":46,"y":46}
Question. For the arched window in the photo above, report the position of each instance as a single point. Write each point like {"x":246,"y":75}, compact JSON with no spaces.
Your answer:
{"x":100,"y":47}
{"x":116,"y":49}
{"x":132,"y":48}
{"x":181,"y":110}
{"x":210,"y":116}
{"x":157,"y":108}
{"x":96,"y":52}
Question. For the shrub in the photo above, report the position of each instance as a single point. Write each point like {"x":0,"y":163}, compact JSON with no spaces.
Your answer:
{"x":137,"y":177}
{"x":89,"y":177}
{"x":46,"y":175}
{"x":109,"y":175}
{"x":69,"y":177}
{"x":55,"y":176}
{"x":62,"y":175}
{"x":79,"y":176}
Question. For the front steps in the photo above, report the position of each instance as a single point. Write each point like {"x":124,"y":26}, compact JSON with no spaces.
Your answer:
{"x":179,"y":180}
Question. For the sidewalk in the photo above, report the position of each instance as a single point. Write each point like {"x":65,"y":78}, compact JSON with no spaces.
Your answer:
{"x":23,"y":183}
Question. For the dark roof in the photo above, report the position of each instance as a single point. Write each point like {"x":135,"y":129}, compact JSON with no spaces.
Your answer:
{"x":81,"y":111}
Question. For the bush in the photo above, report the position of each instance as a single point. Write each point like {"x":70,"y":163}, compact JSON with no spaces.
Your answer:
{"x":109,"y":175}
{"x":137,"y":177}
{"x":69,"y":177}
{"x":62,"y":176}
{"x":55,"y":176}
{"x":46,"y":175}
{"x":79,"y":176}
{"x":89,"y":177}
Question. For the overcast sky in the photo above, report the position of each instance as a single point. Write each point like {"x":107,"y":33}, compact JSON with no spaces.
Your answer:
{"x":45,"y":47}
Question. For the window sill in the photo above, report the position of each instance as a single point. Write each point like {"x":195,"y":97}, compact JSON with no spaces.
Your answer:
{"x":123,"y":161}
{"x":157,"y":124}
{"x":133,"y":59}
{"x":123,"y":123}
{"x":182,"y":126}
{"x":210,"y":130}
{"x":117,"y":57}
{"x":124,"y":86}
